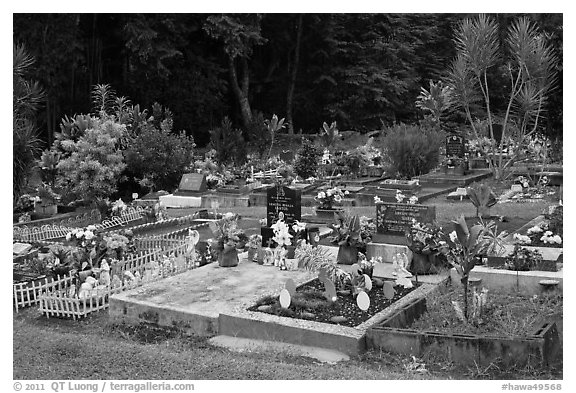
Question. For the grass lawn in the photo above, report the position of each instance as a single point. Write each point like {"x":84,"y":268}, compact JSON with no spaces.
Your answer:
{"x":95,"y":349}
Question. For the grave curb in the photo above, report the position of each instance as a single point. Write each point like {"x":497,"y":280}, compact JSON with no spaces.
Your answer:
{"x":394,"y":335}
{"x":349,"y":340}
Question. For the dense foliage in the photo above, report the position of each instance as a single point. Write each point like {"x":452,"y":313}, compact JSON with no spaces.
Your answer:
{"x":26,"y":98}
{"x":95,"y":163}
{"x":157,"y":158}
{"x":361,"y":70}
{"x":411,"y":150}
{"x":306,"y":160}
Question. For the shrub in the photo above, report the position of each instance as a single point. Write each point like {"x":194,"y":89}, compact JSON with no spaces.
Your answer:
{"x":412,"y":151}
{"x":95,"y":163}
{"x":157,"y":157}
{"x":306,"y":161}
{"x":259,"y":138}
{"x":228,"y":143}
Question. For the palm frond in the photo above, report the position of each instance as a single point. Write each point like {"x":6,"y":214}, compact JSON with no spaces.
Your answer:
{"x":477,"y":40}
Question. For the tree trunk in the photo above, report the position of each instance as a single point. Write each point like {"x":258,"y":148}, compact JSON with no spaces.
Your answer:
{"x":241,"y":93}
{"x":293,"y":74}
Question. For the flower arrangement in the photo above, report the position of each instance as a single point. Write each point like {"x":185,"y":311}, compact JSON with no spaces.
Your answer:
{"x":282,"y":234}
{"x":227,"y":234}
{"x":328,"y":198}
{"x":479,"y":147}
{"x":352,"y":230}
{"x":523,"y":259}
{"x":541,"y":232}
{"x":83,"y":237}
{"x":400,"y":198}
{"x":282,"y":237}
{"x":425,"y":238}
{"x":118,"y":207}
{"x":453,"y":162}
{"x":116,"y":245}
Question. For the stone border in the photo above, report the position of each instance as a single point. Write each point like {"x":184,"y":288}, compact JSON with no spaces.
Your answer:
{"x":503,"y":279}
{"x":393,"y":335}
{"x":350,"y":340}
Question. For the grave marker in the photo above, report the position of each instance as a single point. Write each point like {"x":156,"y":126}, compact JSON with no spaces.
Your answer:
{"x":283,"y":203}
{"x":454,"y":146}
{"x":191,"y":184}
{"x":396,"y":218}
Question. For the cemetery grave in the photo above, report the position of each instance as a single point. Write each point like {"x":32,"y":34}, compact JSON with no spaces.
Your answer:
{"x":416,"y":229}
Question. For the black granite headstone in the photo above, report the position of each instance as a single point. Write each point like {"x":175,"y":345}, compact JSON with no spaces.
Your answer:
{"x":283,"y":203}
{"x":396,"y":218}
{"x":454,"y":146}
{"x":192,"y":183}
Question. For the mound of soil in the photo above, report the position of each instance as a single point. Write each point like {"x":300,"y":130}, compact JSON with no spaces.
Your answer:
{"x":309,"y":303}
{"x":508,"y":314}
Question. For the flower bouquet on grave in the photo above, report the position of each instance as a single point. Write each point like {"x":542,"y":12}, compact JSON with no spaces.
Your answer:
{"x":227,"y":238}
{"x":426,"y":241}
{"x":401,"y":198}
{"x":282,"y":238}
{"x":351,"y":233}
{"x":326,"y":201}
{"x":254,"y":244}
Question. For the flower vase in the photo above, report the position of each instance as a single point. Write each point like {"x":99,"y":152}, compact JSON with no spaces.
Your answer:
{"x":347,"y":255}
{"x":422,"y":264}
{"x":228,"y":258}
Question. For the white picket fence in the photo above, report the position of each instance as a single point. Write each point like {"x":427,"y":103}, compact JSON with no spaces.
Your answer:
{"x":28,"y":293}
{"x":269,"y":174}
{"x":170,"y":259}
{"x":47,"y":232}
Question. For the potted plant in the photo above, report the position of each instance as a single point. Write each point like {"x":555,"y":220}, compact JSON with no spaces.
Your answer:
{"x":351,"y":233}
{"x":227,"y":237}
{"x":326,"y":201}
{"x":483,"y":198}
{"x":253,"y":244}
{"x":424,"y":240}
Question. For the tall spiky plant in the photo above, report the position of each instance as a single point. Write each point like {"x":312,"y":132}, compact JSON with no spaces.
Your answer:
{"x":530,"y":66}
{"x":27,"y":98}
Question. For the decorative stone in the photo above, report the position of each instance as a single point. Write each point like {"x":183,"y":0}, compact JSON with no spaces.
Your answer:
{"x":330,"y":290}
{"x":367,"y":283}
{"x":388,"y":289}
{"x":285,"y":298}
{"x":308,"y":315}
{"x":363,"y":301}
{"x":338,"y":319}
{"x":264,"y":308}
